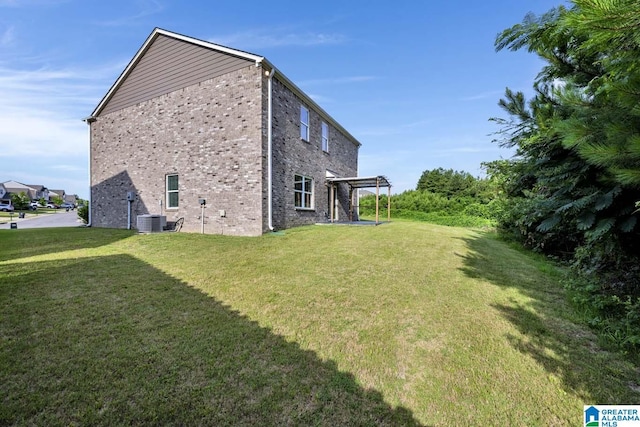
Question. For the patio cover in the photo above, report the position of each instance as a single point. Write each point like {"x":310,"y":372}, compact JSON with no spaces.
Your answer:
{"x":365,"y":182}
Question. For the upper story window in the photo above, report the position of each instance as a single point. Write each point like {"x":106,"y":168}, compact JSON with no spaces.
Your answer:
{"x":172,"y":191}
{"x":303,"y":192}
{"x":304,"y":123}
{"x":325,"y":137}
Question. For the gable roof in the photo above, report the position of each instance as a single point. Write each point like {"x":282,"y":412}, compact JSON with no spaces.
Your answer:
{"x":258,"y":60}
{"x":37,"y":187}
{"x":16,"y":185}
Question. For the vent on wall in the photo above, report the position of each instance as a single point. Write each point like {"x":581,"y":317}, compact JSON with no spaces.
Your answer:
{"x":150,"y":223}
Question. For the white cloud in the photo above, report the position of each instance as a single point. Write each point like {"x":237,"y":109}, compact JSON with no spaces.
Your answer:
{"x":39,"y":133}
{"x":270,"y":38}
{"x":337,"y":80}
{"x":494,"y":94}
{"x":68,"y":168}
{"x":320,"y":99}
{"x":41,"y":110}
{"x":396,"y":129}
{"x":146,"y":8}
{"x":42,"y":137}
{"x":29,"y":3}
{"x":7,"y":37}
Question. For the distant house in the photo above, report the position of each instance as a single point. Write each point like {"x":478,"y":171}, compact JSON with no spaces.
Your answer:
{"x":219,"y":137}
{"x":14,"y":187}
{"x":57,"y":193}
{"x":34,"y":192}
{"x":71,"y":198}
{"x":40,"y":192}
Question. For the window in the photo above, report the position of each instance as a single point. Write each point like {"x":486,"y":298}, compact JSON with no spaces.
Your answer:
{"x":303,"y":192}
{"x":304,"y":123}
{"x":172,"y":191}
{"x":325,"y":137}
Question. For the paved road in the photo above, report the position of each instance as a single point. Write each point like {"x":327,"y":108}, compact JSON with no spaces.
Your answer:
{"x":59,"y":219}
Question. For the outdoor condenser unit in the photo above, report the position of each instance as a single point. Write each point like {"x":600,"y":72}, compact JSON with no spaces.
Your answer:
{"x":150,"y":223}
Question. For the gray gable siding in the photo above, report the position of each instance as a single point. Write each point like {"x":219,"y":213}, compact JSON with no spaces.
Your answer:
{"x":182,"y":64}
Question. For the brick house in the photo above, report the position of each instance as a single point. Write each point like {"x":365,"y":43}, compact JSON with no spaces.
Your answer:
{"x":190,"y":121}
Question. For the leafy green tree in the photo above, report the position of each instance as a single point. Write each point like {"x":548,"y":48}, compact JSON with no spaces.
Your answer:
{"x":450,"y":183}
{"x":20,"y":201}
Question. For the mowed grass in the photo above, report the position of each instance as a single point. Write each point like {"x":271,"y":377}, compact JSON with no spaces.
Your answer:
{"x":402,"y":324}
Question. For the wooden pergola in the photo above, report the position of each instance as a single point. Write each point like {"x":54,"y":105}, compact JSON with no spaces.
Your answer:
{"x":355,"y":183}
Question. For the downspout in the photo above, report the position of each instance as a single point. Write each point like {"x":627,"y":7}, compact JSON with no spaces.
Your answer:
{"x":88,"y":121}
{"x":270,"y":149}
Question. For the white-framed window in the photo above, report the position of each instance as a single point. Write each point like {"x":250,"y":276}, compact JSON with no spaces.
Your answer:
{"x":325,"y":137}
{"x":304,"y":123}
{"x":303,"y":192}
{"x":172,"y":197}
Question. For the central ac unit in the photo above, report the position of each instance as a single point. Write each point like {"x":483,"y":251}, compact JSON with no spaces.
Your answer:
{"x":150,"y":223}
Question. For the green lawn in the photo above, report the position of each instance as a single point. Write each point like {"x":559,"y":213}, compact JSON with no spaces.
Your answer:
{"x":402,"y":324}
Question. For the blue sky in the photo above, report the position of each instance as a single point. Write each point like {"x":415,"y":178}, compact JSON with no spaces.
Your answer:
{"x":414,"y":81}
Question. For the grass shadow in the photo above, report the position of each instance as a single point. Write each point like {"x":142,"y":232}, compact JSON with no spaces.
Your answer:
{"x":31,"y":242}
{"x":546,"y":326}
{"x":139,"y":347}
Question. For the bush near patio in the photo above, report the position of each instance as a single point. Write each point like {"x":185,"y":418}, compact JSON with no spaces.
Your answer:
{"x":404,"y":324}
{"x":444,"y":197}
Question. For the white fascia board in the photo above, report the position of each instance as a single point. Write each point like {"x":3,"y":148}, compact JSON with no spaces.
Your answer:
{"x":210,"y":45}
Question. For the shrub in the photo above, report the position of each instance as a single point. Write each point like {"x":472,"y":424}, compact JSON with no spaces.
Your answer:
{"x":606,"y":288}
{"x":83,"y":213}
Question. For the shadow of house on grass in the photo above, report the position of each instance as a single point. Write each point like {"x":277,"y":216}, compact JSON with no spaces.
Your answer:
{"x":144,"y":348}
{"x":546,"y":331}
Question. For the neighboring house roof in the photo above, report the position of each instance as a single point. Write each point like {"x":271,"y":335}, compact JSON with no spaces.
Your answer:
{"x":257,"y":59}
{"x":16,"y":184}
{"x":56,"y":193}
{"x":17,"y":188}
{"x":37,"y":187}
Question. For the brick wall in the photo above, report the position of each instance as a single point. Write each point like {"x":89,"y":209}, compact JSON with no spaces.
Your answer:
{"x":294,"y":156}
{"x":214,"y":136}
{"x":210,"y":134}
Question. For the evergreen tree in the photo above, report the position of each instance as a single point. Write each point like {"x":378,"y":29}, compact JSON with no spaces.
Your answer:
{"x":575,"y":181}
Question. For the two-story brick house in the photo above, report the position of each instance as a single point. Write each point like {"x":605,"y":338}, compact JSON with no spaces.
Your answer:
{"x":189,"y":120}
